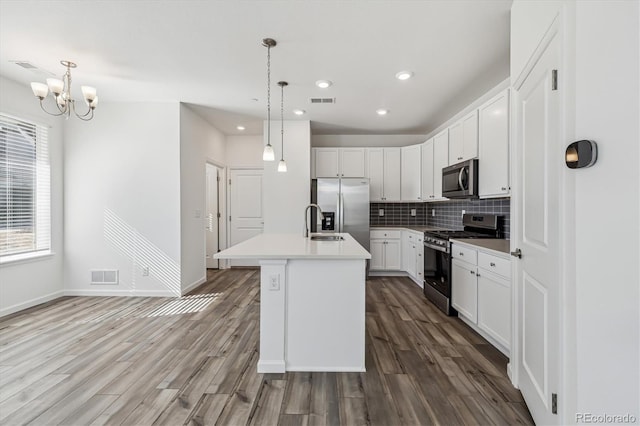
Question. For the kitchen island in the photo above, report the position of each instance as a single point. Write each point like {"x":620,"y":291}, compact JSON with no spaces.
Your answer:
{"x":312,"y":301}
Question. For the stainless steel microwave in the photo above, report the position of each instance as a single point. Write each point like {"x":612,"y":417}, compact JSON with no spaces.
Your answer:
{"x":460,"y":180}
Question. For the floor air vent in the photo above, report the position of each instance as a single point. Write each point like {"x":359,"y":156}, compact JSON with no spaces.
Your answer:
{"x":323,"y":100}
{"x":109,"y":277}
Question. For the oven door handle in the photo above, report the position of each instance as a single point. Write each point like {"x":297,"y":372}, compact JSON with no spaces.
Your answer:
{"x":438,"y":248}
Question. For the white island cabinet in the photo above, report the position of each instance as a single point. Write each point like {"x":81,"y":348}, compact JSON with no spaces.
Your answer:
{"x":312,"y":302}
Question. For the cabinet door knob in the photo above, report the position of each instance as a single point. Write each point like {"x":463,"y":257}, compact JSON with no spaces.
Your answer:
{"x":478,"y":275}
{"x":492,"y":264}
{"x":503,"y":188}
{"x":459,"y":158}
{"x":461,"y":254}
{"x":471,"y":272}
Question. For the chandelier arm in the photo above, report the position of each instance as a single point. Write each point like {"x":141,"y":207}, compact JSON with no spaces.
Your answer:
{"x":83,"y":115}
{"x":50,"y":113}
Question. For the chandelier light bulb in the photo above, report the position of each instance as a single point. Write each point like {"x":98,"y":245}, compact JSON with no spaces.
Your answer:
{"x":41,"y":90}
{"x":56,"y":86}
{"x":282,"y":166}
{"x":89,"y":93}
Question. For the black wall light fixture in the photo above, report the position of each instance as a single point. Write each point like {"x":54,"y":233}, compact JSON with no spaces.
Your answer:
{"x":581,"y":154}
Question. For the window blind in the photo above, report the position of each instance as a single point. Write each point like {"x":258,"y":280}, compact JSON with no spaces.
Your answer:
{"x":25,"y":188}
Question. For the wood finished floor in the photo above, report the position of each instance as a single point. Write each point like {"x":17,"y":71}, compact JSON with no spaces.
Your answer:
{"x":137,"y":361}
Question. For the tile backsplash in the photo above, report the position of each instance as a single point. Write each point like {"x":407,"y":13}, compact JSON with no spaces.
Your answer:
{"x":448,"y":214}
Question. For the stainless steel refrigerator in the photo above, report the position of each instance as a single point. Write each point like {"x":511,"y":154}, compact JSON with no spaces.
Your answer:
{"x":345,"y":205}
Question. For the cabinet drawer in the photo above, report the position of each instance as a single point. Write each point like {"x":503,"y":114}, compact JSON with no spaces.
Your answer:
{"x":495,"y":264}
{"x":463,"y":253}
{"x":386,"y":234}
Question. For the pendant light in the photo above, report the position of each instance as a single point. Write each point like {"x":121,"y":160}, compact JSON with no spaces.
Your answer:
{"x":268,"y":154}
{"x":282,"y":166}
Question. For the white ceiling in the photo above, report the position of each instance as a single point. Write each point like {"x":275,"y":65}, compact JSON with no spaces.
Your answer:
{"x":209,"y":54}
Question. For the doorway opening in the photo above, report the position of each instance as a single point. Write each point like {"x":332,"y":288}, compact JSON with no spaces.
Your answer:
{"x":213,"y":215}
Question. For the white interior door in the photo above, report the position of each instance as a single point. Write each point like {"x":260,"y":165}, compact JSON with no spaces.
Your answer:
{"x":537,"y":171}
{"x":212,"y":228}
{"x":245,"y":208}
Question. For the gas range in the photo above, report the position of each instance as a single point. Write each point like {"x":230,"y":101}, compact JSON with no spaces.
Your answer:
{"x":437,"y":258}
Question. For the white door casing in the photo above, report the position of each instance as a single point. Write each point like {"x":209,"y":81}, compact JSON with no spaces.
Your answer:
{"x":212,"y":229}
{"x":246,"y":216}
{"x":539,"y":159}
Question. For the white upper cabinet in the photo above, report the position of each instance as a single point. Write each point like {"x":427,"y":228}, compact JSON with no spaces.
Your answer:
{"x":411,"y":173}
{"x":384,"y":174}
{"x":463,"y":139}
{"x":326,"y":162}
{"x":339,"y":162}
{"x":376,"y":174}
{"x":427,"y":171}
{"x":440,"y":161}
{"x":391,"y":181}
{"x":493,"y":162}
{"x":352,"y":162}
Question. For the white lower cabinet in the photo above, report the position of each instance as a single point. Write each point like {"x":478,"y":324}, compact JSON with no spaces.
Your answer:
{"x":413,"y":255}
{"x":464,"y":289}
{"x":481,"y":292}
{"x":398,"y":250}
{"x":386,"y":252}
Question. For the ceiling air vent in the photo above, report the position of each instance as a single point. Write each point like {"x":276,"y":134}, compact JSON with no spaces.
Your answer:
{"x":323,"y":100}
{"x":33,"y":68}
{"x":24,"y":64}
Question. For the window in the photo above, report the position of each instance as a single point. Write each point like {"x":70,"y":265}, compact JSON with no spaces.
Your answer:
{"x":25,"y":198}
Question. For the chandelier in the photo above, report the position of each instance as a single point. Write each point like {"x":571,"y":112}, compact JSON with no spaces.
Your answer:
{"x":61,"y":91}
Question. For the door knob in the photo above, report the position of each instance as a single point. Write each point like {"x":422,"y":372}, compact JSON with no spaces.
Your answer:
{"x":517,"y":253}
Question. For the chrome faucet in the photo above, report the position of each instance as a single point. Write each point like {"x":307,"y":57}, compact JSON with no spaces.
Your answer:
{"x":306,"y":223}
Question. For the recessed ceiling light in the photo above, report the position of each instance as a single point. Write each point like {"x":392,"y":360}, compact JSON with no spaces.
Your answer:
{"x":240,"y":128}
{"x":323,"y":84}
{"x":404,"y":75}
{"x":382,"y":111}
{"x":299,"y":111}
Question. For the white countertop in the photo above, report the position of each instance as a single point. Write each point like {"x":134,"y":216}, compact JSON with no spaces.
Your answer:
{"x":294,"y":246}
{"x":493,"y":244}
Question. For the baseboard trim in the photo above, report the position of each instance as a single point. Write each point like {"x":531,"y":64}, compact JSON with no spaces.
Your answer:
{"x":359,"y":369}
{"x":194,"y":284}
{"x":31,"y":303}
{"x":271,"y":366}
{"x":121,"y":293}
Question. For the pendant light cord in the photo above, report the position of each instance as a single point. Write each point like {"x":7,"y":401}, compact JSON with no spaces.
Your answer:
{"x":282,"y":121}
{"x":269,"y":95}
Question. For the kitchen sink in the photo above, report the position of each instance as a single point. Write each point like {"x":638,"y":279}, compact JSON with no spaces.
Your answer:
{"x":327,"y":238}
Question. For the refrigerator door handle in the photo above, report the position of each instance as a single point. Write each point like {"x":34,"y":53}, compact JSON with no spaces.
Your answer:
{"x":341,"y":212}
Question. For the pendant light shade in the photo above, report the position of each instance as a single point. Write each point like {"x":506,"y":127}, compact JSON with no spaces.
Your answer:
{"x":282,"y":166}
{"x":268,"y":154}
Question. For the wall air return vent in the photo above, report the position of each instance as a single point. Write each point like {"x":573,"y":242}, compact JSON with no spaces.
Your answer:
{"x":104,"y":277}
{"x":323,"y":100}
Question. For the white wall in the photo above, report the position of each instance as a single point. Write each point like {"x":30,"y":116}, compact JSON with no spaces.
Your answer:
{"x":199,"y":142}
{"x":287,"y":194}
{"x":607,"y":110}
{"x":122,"y":199}
{"x":245,"y":151}
{"x":29,"y":283}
